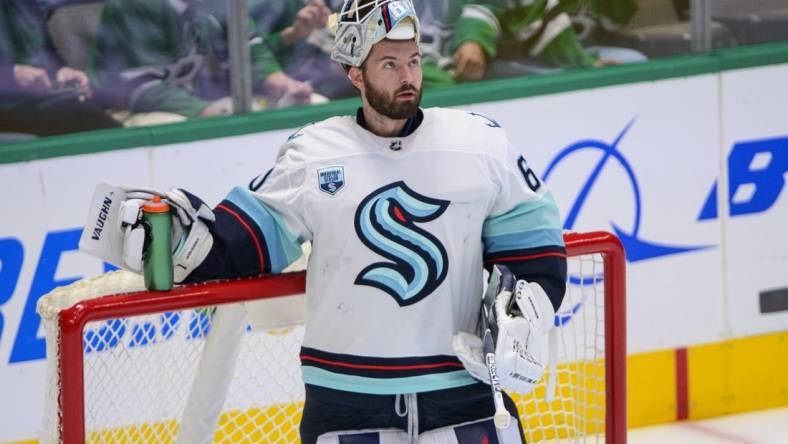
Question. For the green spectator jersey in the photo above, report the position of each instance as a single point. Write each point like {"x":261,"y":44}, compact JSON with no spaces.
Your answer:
{"x":611,"y":14}
{"x":23,"y":41}
{"x":543,"y":28}
{"x":23,"y":35}
{"x":168,"y":55}
{"x":447,"y":24}
{"x":305,"y":60}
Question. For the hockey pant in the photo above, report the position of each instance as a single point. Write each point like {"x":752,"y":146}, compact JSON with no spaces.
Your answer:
{"x":460,"y":415}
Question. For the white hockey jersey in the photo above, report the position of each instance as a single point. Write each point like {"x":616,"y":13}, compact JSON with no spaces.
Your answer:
{"x":400,"y":228}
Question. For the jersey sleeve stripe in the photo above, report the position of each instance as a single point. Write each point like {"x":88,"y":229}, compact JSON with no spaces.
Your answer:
{"x":251,"y":232}
{"x":526,"y":226}
{"x":527,"y":216}
{"x":523,"y":241}
{"x":378,"y":367}
{"x":388,"y":386}
{"x":305,"y":358}
{"x":524,"y":257}
{"x":282,"y":247}
{"x":544,"y":266}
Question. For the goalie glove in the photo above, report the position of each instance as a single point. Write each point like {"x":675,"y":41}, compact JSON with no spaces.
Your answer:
{"x":115,"y":232}
{"x":520,"y":319}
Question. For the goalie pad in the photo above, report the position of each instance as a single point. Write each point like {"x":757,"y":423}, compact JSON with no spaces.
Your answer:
{"x":477,"y":431}
{"x":522,"y":318}
{"x":114,"y":231}
{"x":384,"y":436}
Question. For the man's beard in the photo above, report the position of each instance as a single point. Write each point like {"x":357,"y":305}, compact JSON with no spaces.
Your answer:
{"x":386,"y":104}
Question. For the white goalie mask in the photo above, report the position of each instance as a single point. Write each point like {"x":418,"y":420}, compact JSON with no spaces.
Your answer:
{"x":363,"y":23}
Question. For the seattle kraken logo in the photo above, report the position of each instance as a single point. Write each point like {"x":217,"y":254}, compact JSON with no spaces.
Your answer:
{"x":386,"y":223}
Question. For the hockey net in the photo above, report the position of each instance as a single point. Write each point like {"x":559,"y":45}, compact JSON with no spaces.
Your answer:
{"x":218,"y":362}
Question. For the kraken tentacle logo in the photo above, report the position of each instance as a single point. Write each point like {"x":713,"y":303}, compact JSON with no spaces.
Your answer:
{"x":386,"y":223}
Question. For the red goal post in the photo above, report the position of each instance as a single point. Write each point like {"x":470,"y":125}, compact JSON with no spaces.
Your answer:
{"x":586,"y":399}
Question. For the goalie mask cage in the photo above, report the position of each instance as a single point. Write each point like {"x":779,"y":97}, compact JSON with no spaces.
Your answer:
{"x":126,"y":365}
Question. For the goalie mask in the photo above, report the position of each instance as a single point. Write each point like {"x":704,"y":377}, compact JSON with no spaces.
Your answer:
{"x":363,"y":23}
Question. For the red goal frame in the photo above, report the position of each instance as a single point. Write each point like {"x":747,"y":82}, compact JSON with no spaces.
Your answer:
{"x":72,"y":322}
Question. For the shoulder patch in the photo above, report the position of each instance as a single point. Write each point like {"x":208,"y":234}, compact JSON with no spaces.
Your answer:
{"x":331,"y":179}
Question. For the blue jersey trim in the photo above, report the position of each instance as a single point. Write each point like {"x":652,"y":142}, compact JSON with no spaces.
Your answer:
{"x":524,"y":241}
{"x":528,"y":216}
{"x":386,"y":386}
{"x":283,"y":247}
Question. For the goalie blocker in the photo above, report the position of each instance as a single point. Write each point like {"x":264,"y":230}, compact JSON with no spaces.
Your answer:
{"x":115,"y":233}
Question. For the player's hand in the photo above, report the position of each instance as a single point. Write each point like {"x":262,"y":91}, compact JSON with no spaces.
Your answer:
{"x":217,"y":108}
{"x":69,"y":76}
{"x":604,"y":62}
{"x":311,"y":17}
{"x":471,"y":62}
{"x":32,"y":79}
{"x":285,"y":91}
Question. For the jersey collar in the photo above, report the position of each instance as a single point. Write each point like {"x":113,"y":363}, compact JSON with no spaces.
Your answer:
{"x":411,"y":125}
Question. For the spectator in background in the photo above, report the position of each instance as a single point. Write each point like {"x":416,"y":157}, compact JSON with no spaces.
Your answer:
{"x":543,"y":34}
{"x":39,"y":95}
{"x":173,"y":56}
{"x":295,"y":32}
{"x":459,"y":38}
{"x":594,"y":18}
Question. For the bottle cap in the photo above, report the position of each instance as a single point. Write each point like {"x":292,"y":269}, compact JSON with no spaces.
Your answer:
{"x":156,"y":206}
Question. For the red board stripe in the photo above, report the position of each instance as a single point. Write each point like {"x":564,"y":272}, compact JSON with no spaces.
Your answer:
{"x":682,"y":385}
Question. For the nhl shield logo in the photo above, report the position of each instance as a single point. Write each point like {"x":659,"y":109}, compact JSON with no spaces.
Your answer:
{"x":331,"y":179}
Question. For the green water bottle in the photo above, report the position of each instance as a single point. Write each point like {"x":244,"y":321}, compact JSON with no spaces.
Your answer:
{"x":157,"y":255}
